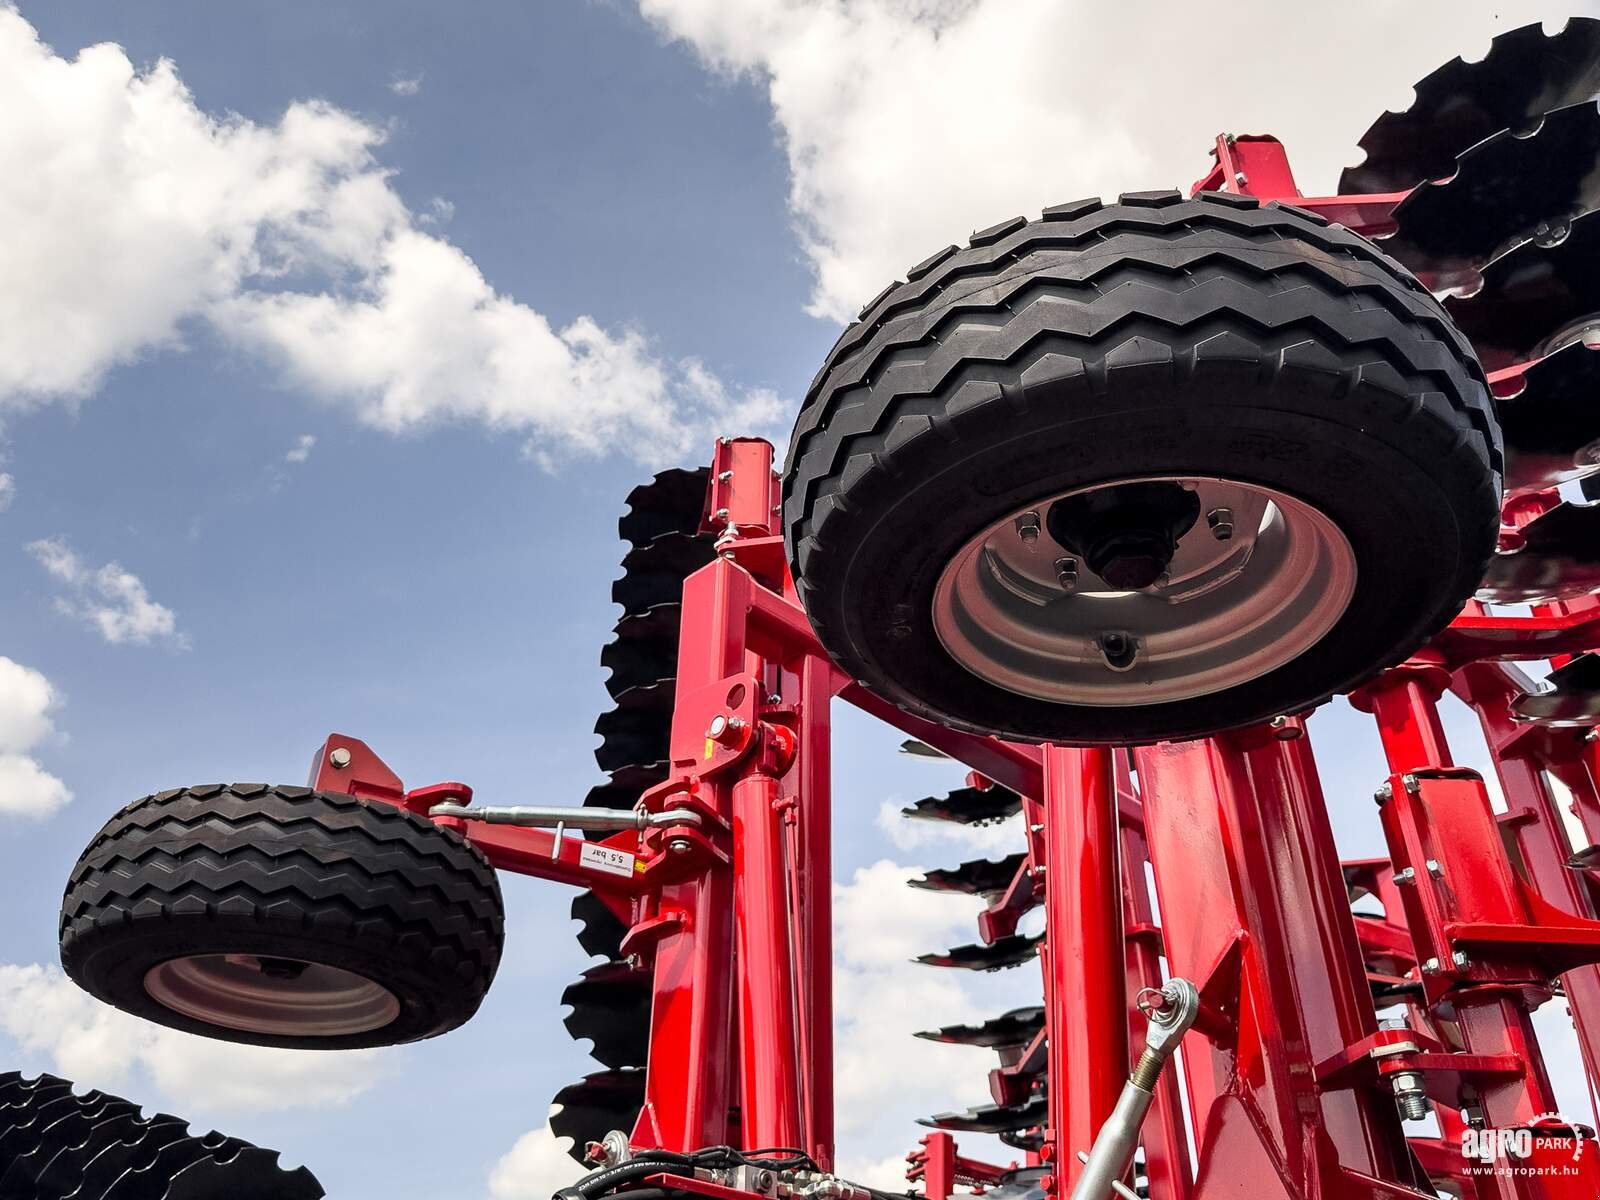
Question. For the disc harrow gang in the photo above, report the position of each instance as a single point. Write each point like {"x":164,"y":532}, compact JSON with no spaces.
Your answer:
{"x":56,"y":1144}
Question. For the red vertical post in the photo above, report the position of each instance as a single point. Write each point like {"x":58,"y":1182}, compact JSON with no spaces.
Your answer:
{"x":814,"y":908}
{"x":769,"y":1076}
{"x":1086,"y":1008}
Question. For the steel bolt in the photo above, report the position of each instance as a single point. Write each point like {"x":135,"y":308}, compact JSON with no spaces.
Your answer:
{"x":1028,"y":526}
{"x":1221,"y":522}
{"x":1460,"y":961}
{"x":1434,"y":868}
{"x":1066,"y":572}
{"x":724,"y":476}
{"x":339,"y":756}
{"x":1384,"y":794}
{"x":1431,"y":967}
{"x":680,"y":846}
{"x":1411,"y":784}
{"x":724,"y":729}
{"x":1408,"y":1094}
{"x":721,"y":514}
{"x":1406,"y":876}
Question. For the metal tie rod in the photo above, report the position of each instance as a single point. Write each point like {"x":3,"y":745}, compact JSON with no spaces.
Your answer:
{"x":1172,"y":1011}
{"x":546,"y":816}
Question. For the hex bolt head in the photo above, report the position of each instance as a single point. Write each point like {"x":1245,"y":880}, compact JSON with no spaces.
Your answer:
{"x":339,"y":757}
{"x":1430,"y":967}
{"x":1460,"y":961}
{"x":1067,"y":573}
{"x":1384,"y":794}
{"x":1221,"y":522}
{"x":1406,"y":876}
{"x":1410,"y":1097}
{"x":1028,"y":526}
{"x":679,"y":846}
{"x":1435,"y":868}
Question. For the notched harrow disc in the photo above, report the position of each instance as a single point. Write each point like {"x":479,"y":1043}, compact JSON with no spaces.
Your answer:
{"x":1542,"y":290}
{"x":672,"y":502}
{"x":1015,"y":1028}
{"x":1524,"y":75}
{"x":967,"y":806}
{"x":602,"y":933}
{"x":980,"y":877}
{"x":644,"y":649}
{"x":1559,"y":559}
{"x":597,"y":1104}
{"x":1552,"y":426}
{"x":55,"y":1145}
{"x":1569,"y":697}
{"x":653,"y":574}
{"x":1004,"y":952}
{"x":1506,"y":190}
{"x":637,"y":731}
{"x":611,"y":1007}
{"x":993,"y":1118}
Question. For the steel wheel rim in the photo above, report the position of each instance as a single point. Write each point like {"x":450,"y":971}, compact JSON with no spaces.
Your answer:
{"x":268,"y":995}
{"x":1231,"y":610}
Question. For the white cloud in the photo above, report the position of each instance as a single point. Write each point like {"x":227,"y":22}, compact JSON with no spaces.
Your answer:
{"x":8,"y":491}
{"x":535,"y":1167}
{"x":909,"y":123}
{"x":287,"y":240}
{"x":406,"y":85}
{"x":301,"y":450}
{"x":110,"y":599}
{"x":95,"y":1045}
{"x":26,"y":700}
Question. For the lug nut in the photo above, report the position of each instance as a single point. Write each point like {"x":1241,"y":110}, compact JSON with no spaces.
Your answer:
{"x":1221,"y":522}
{"x":1028,"y":526}
{"x":1066,"y":573}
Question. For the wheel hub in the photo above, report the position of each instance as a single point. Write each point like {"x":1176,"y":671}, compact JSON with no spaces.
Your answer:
{"x":269,"y":995}
{"x":1122,"y":594}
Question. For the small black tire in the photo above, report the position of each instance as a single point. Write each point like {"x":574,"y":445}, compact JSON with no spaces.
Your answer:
{"x":1158,"y":337}
{"x":273,"y":877}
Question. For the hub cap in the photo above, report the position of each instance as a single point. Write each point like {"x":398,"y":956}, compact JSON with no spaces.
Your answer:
{"x":1255,"y":580}
{"x":281,"y":996}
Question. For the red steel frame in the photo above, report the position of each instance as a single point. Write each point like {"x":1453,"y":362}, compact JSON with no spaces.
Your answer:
{"x":1288,"y":1076}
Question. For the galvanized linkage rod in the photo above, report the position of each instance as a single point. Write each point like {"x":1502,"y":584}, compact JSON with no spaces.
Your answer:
{"x":1172,"y":1011}
{"x":548,"y":817}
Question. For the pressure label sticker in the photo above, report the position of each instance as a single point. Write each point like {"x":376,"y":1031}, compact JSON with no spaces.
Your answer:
{"x":604,"y":858}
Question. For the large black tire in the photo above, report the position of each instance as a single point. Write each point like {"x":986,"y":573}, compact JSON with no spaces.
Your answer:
{"x":278,"y":876}
{"x":1155,"y":337}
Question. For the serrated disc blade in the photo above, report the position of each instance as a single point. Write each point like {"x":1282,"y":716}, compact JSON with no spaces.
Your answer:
{"x":1524,"y":74}
{"x":134,"y":1147}
{"x":672,"y":502}
{"x":1552,"y":427}
{"x":993,"y":1118}
{"x":644,"y":649}
{"x":637,"y":732}
{"x":1560,"y":559}
{"x":62,"y":1135}
{"x":596,"y":1105}
{"x":1009,"y":951}
{"x":653,"y":574}
{"x":1507,"y":190}
{"x":150,"y":1181}
{"x":980,"y":877}
{"x":1015,"y":1028}
{"x":601,"y":933}
{"x":967,"y":806}
{"x":64,"y":1175}
{"x":251,"y":1174}
{"x":1532,"y":294}
{"x":1570,"y":697}
{"x":611,"y":1008}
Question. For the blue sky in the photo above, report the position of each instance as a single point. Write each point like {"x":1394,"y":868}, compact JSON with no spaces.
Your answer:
{"x":645,"y":227}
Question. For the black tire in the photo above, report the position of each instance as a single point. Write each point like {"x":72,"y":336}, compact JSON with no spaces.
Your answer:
{"x":1186,"y":337}
{"x":285,"y":875}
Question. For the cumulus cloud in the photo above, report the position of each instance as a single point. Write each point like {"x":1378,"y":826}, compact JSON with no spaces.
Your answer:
{"x":109,"y":599}
{"x":301,"y":450}
{"x":536,"y":1166}
{"x":909,"y":123}
{"x":26,"y":700}
{"x":288,"y":241}
{"x":406,"y":85}
{"x":47,"y":1015}
{"x":8,"y":491}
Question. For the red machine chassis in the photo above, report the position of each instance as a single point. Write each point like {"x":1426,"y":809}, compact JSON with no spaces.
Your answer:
{"x":1289,"y":1081}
